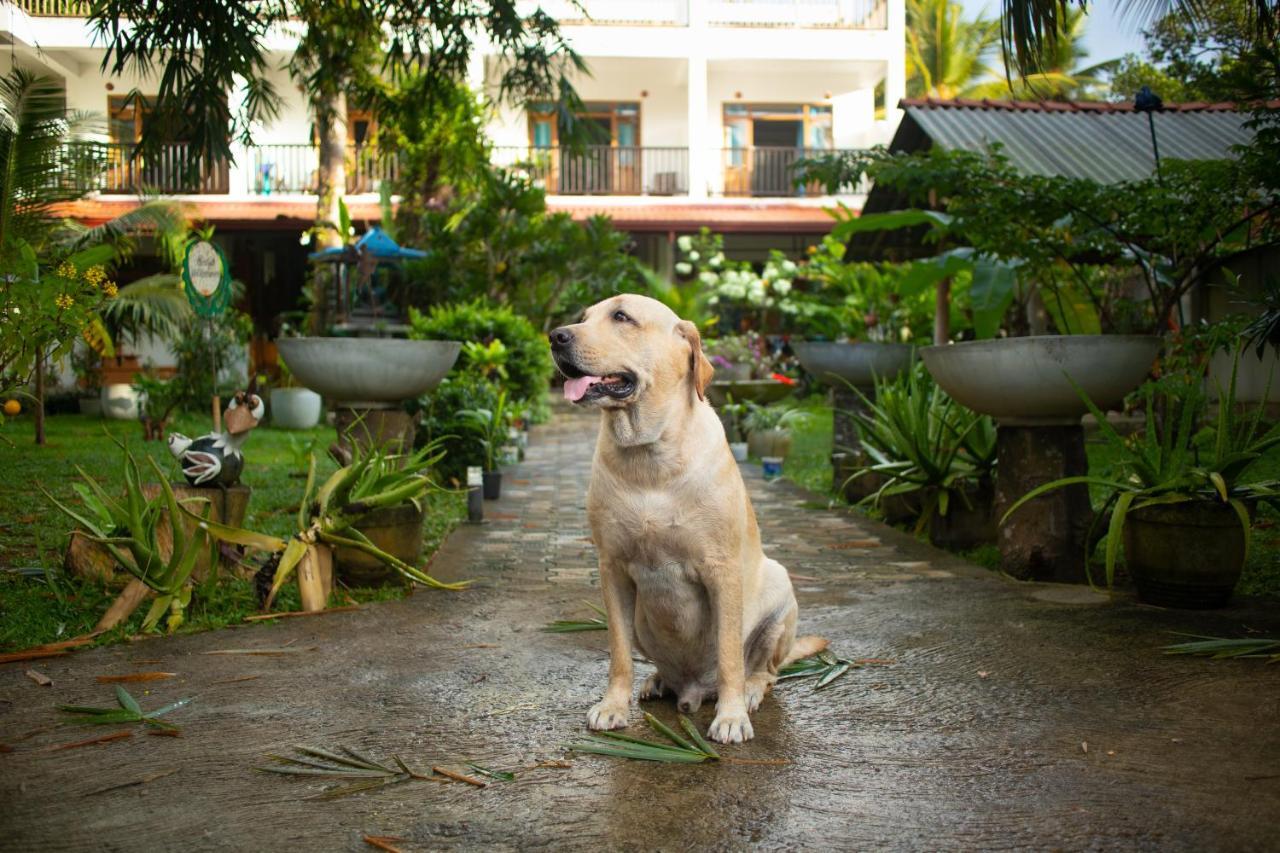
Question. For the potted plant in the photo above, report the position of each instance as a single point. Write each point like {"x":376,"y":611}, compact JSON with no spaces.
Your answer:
{"x":747,"y":366}
{"x":731,"y":415}
{"x":769,"y":429}
{"x":489,"y":426}
{"x":87,"y":366}
{"x":1179,"y":499}
{"x":931,"y":459}
{"x":292,"y":406}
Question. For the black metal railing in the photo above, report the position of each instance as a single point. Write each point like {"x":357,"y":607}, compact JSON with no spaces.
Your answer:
{"x":602,"y":169}
{"x":766,"y":171}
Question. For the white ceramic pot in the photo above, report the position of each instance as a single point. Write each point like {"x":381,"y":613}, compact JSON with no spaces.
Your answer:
{"x":1028,"y":381}
{"x":295,"y":408}
{"x":739,"y":450}
{"x":120,"y":402}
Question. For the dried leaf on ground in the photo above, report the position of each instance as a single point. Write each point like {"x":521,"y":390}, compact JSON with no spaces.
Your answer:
{"x":134,"y":676}
{"x":92,"y":741}
{"x":384,"y":842}
{"x":131,"y":784}
{"x":39,"y":678}
{"x":345,"y":764}
{"x":293,"y":614}
{"x":570,"y":626}
{"x":459,"y":777}
{"x":279,"y":650}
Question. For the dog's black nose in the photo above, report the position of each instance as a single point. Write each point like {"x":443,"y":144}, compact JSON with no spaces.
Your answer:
{"x":560,"y":338}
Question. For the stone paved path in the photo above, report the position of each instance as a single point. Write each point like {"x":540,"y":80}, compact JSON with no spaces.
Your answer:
{"x":1013,"y":715}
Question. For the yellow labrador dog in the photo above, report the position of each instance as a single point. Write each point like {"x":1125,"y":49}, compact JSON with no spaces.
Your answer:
{"x":681,"y":568}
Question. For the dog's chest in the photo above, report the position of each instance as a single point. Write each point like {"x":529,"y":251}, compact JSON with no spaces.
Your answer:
{"x":648,"y":528}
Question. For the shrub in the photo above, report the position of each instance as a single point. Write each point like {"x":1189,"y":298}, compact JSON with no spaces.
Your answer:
{"x":443,"y":419}
{"x":528,"y":364}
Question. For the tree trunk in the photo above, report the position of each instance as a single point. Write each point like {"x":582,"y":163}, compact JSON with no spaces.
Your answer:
{"x":942,"y":313}
{"x":331,"y":127}
{"x":39,"y":412}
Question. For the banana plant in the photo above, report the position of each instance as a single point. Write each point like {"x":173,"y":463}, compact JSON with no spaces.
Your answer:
{"x":328,"y":515}
{"x":131,"y":531}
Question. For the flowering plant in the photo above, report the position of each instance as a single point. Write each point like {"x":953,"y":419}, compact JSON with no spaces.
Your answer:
{"x":750,"y":349}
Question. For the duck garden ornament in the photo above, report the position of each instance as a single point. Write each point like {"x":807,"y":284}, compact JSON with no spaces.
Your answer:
{"x":215,"y":459}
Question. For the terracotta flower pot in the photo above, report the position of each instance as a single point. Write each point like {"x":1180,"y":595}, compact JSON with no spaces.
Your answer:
{"x":1187,"y":555}
{"x":396,"y":530}
{"x":769,"y":442}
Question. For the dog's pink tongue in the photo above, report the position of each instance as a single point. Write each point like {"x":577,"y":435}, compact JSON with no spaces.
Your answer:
{"x":574,"y":389}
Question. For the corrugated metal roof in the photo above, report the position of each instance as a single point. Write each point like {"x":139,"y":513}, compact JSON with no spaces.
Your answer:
{"x":1104,"y":142}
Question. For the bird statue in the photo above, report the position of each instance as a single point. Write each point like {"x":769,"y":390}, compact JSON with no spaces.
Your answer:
{"x":214,"y":459}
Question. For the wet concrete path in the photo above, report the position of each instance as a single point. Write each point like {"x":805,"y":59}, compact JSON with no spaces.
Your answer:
{"x":1012,"y":715}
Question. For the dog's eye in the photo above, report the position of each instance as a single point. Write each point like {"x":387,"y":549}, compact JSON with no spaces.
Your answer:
{"x":621,"y":317}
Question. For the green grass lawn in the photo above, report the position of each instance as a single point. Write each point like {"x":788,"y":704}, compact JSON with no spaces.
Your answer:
{"x":809,"y":465}
{"x":39,"y":604}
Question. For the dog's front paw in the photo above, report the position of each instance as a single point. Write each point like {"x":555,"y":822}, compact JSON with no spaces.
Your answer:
{"x":731,"y":726}
{"x":608,"y":715}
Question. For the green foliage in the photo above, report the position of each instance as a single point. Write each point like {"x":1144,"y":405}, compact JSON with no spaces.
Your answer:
{"x":690,"y":748}
{"x":501,"y":244}
{"x":527,"y":360}
{"x":128,"y":712}
{"x":824,"y":666}
{"x":946,"y":54}
{"x":1174,"y":230}
{"x":922,"y":442}
{"x":782,"y":415}
{"x":201,"y":346}
{"x":489,"y":428}
{"x":442,"y":421}
{"x":1058,"y":70}
{"x":1173,"y":460}
{"x":1212,"y":52}
{"x":136,"y":530}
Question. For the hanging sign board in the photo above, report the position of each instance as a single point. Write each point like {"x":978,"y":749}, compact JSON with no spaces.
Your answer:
{"x":206,"y":278}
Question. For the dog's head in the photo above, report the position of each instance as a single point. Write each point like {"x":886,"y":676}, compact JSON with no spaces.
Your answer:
{"x":630,"y":348}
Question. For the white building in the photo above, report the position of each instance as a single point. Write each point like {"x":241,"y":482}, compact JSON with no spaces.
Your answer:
{"x":702,"y":106}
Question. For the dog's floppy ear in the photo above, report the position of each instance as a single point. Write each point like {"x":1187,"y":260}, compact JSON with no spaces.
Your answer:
{"x":700,"y":369}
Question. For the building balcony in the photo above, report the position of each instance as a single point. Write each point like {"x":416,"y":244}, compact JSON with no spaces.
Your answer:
{"x":839,"y":14}
{"x":594,"y":170}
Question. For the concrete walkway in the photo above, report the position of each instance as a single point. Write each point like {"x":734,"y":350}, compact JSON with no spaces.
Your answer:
{"x":1012,"y":715}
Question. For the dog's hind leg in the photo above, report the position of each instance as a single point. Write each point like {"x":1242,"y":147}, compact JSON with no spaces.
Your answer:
{"x":654,"y":688}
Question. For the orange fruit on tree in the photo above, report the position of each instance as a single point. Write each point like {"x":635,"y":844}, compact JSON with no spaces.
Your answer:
{"x":12,"y":407}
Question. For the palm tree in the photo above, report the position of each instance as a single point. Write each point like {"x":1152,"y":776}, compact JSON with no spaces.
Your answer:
{"x":1030,"y":29}
{"x":53,"y":279}
{"x":1060,"y":76}
{"x":946,"y":54}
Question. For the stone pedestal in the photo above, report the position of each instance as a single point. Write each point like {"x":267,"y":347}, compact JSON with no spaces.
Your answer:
{"x":392,"y":429}
{"x":1045,"y":539}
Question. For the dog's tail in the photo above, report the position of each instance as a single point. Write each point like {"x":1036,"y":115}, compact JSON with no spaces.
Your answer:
{"x":805,"y":647}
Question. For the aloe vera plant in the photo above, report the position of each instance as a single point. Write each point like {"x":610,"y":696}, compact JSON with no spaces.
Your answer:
{"x":328,"y":514}
{"x":131,"y":531}
{"x":1174,"y":461}
{"x":922,"y":441}
{"x":692,"y":749}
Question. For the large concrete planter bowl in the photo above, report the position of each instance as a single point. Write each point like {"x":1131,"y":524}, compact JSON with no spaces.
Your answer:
{"x":1024,"y":381}
{"x":762,"y":391}
{"x":856,"y":363}
{"x":357,"y":372}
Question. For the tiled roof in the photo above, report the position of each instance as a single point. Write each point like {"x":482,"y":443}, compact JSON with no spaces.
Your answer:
{"x":1105,"y":142}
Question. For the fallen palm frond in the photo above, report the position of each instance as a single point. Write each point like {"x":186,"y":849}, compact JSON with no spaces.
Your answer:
{"x":93,"y":741}
{"x":693,"y":750}
{"x":134,"y":676}
{"x":1220,"y":648}
{"x":569,"y":626}
{"x":386,"y":843}
{"x":351,"y":765}
{"x":824,"y":666}
{"x":128,"y":712}
{"x":151,"y":777}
